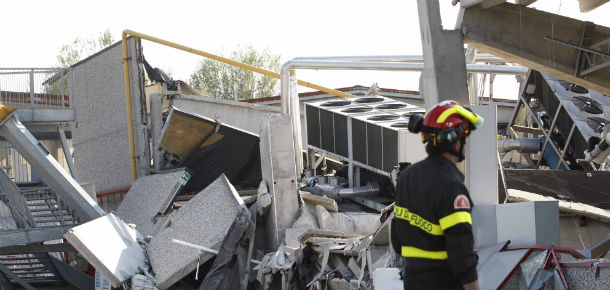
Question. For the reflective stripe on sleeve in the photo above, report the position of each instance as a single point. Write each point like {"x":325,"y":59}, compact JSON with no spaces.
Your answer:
{"x":417,"y":221}
{"x":455,"y":218}
{"x":413,"y":252}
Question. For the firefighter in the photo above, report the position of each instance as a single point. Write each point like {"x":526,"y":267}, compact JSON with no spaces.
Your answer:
{"x":432,"y":225}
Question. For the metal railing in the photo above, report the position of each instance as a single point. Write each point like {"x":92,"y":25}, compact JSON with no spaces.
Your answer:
{"x":37,"y":87}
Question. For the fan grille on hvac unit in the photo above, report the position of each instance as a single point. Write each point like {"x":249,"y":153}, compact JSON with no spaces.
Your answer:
{"x":596,"y":123}
{"x":391,"y":106}
{"x":383,"y":118}
{"x":400,"y":125}
{"x":368,"y":100}
{"x":573,"y":87}
{"x":357,"y":110}
{"x":336,"y":104}
{"x":588,"y":105}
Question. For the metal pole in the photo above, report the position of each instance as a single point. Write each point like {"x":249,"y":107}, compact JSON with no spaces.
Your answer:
{"x":67,"y":154}
{"x":32,"y":88}
{"x":71,"y":92}
{"x":61,"y":85}
{"x":156,"y":117}
{"x":132,"y":147}
{"x":565,"y":148}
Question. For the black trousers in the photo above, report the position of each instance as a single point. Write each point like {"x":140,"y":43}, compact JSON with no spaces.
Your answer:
{"x":415,"y":278}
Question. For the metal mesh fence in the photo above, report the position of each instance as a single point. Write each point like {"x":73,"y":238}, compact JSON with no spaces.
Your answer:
{"x":36,"y":87}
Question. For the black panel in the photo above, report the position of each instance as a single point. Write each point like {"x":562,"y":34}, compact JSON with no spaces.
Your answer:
{"x":359,"y":140}
{"x":374,"y":146}
{"x":326,"y":124}
{"x":313,"y":125}
{"x":390,"y":149}
{"x":341,"y":135}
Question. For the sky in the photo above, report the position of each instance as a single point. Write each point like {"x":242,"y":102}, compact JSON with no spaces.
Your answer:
{"x":33,"y":32}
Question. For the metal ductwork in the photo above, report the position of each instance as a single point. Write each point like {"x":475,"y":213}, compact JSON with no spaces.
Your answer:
{"x":371,"y":189}
{"x":523,"y":145}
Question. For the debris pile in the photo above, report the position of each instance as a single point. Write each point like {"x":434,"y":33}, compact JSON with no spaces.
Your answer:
{"x":194,"y":227}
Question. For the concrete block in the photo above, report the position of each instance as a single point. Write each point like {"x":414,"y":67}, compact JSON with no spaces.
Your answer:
{"x":528,"y":223}
{"x":387,"y":279}
{"x":146,"y":197}
{"x":111,"y":246}
{"x":203,"y":221}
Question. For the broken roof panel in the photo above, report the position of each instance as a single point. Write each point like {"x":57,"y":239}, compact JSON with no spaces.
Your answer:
{"x":147,"y":196}
{"x":203,"y":221}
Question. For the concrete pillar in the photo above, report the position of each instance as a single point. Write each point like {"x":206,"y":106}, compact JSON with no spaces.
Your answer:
{"x":278,"y":169}
{"x":444,"y":75}
{"x":482,"y":159}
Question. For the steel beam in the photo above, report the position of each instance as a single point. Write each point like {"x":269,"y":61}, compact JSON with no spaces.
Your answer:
{"x":16,"y":278}
{"x":30,"y":236}
{"x":36,"y":248}
{"x":71,"y":193}
{"x":67,"y":154}
{"x":505,"y":31}
{"x":15,"y":201}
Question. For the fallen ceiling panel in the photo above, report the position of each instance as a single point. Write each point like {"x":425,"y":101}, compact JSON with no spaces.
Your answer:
{"x":210,"y":148}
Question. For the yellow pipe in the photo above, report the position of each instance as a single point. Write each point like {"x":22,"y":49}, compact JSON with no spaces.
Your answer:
{"x":232,"y":62}
{"x":132,"y":147}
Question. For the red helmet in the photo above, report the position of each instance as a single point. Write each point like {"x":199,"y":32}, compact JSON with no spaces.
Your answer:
{"x":445,"y":123}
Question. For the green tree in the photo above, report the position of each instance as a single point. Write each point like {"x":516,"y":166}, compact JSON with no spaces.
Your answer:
{"x":224,"y":81}
{"x":79,"y":49}
{"x":72,"y":53}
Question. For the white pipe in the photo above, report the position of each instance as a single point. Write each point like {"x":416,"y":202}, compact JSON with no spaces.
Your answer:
{"x":395,"y":58}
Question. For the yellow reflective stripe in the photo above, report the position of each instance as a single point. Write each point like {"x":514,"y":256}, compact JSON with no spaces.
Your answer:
{"x":472,"y":117}
{"x":455,"y":218}
{"x":417,"y":221}
{"x":413,"y":252}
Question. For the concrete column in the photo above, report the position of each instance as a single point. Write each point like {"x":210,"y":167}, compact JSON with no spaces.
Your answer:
{"x":482,"y":160}
{"x":444,"y":74}
{"x":278,"y":168}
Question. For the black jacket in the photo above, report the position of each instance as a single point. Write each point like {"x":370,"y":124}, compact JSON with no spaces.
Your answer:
{"x":432,"y":225}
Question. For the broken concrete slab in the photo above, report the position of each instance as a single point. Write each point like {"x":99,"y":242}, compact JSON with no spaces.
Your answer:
{"x":328,"y":203}
{"x":325,"y":219}
{"x":204,"y":220}
{"x":357,"y":223}
{"x":111,"y":246}
{"x":147,"y":196}
{"x":576,"y":208}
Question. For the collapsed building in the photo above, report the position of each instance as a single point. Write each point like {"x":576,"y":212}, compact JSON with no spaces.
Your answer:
{"x":220,"y":194}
